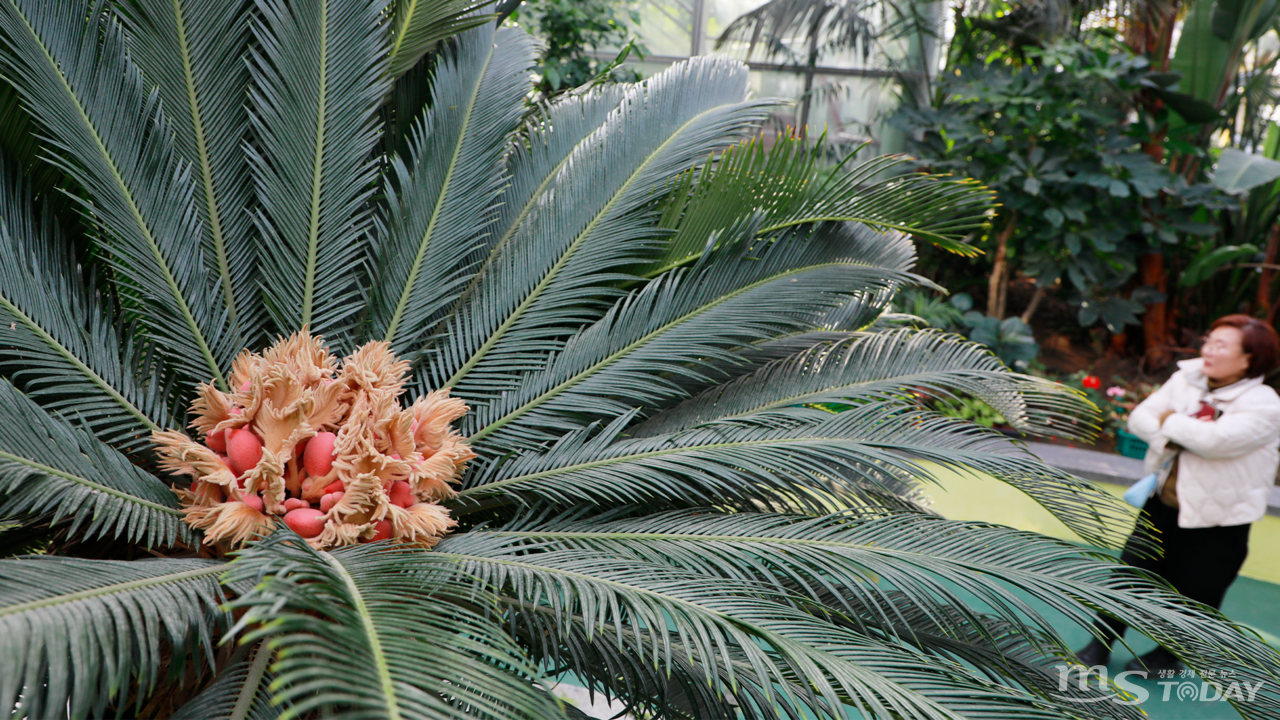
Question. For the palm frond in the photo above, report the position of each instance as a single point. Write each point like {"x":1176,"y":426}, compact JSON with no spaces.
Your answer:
{"x":405,"y":636}
{"x":194,"y":52}
{"x":896,"y":364}
{"x":683,"y":320}
{"x":788,"y":184}
{"x":75,"y":632}
{"x":69,"y":64}
{"x":804,"y":661}
{"x":589,"y":224}
{"x":239,"y":692}
{"x":612,"y":660}
{"x":785,"y":462}
{"x":47,"y":466}
{"x":441,"y":202}
{"x":1024,"y":657}
{"x":60,"y":344}
{"x":318,"y":79}
{"x":417,"y":26}
{"x":534,"y":162}
{"x":926,"y":559}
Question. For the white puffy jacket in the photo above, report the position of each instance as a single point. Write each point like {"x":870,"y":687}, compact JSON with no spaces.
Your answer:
{"x":1226,"y":473}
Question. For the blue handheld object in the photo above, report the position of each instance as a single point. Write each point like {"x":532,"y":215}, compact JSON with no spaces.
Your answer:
{"x":1138,"y":493}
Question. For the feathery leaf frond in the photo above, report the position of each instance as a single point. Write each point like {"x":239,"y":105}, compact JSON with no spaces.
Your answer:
{"x":318,"y":78}
{"x":682,"y":320}
{"x":47,"y":466}
{"x":880,"y":366}
{"x":817,"y":466}
{"x":75,"y":632}
{"x":68,"y":62}
{"x":549,"y":279}
{"x":239,"y":692}
{"x":394,"y":622}
{"x":727,"y":619}
{"x":60,"y":344}
{"x":790,"y":187}
{"x":194,"y":52}
{"x":417,"y":26}
{"x":441,"y":203}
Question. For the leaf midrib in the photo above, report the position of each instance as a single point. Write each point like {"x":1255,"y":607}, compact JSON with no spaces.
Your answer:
{"x":89,"y":483}
{"x":111,"y":589}
{"x":440,"y":199}
{"x":542,"y":285}
{"x":123,"y":187}
{"x":85,"y":369}
{"x":381,"y":666}
{"x":317,"y":170}
{"x":563,"y":386}
{"x":206,"y":167}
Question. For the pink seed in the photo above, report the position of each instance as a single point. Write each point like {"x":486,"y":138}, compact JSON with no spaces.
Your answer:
{"x":328,"y":501}
{"x":307,"y":522}
{"x":295,"y":503}
{"x":333,"y":487}
{"x":252,"y":501}
{"x":401,"y":494}
{"x":383,"y":528}
{"x":244,"y":450}
{"x":318,"y":457}
{"x":217,"y":441}
{"x":245,"y":387}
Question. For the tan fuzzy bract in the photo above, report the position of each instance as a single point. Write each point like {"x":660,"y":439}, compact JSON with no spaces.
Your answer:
{"x":287,"y":395}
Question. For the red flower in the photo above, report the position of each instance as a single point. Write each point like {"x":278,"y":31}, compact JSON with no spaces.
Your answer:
{"x":1092,"y":382}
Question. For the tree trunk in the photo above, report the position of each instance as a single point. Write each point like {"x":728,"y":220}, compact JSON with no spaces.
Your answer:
{"x":807,"y":98}
{"x":1268,"y":274}
{"x":1155,"y":327}
{"x":1034,"y":305}
{"x":997,"y":284}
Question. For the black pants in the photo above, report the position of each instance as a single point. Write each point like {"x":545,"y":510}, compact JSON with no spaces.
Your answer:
{"x":1200,"y":563}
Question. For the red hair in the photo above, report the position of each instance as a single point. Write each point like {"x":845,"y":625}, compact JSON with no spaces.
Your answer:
{"x":1260,"y":342}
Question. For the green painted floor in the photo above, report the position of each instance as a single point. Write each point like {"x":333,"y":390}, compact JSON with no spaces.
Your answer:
{"x":1253,"y":600}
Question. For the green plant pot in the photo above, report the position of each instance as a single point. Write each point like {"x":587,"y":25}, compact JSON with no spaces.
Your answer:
{"x":1130,"y":445}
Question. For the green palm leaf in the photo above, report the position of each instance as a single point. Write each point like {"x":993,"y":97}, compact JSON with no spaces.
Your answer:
{"x":925,"y":559}
{"x":194,"y":52}
{"x":549,"y":278}
{"x":48,"y":466}
{"x":69,"y":65}
{"x":534,"y":162}
{"x":417,"y":26}
{"x":239,"y":692}
{"x":59,"y":341}
{"x":791,"y":187}
{"x":441,"y":203}
{"x":383,"y":632}
{"x":765,"y":626}
{"x":817,"y":466}
{"x":884,"y":365}
{"x":318,"y":78}
{"x":682,"y":320}
{"x":74,"y":633}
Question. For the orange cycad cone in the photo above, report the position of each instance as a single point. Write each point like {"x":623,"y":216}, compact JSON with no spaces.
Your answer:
{"x":326,"y":448}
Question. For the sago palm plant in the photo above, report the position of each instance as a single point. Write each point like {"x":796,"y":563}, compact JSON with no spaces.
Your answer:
{"x":340,"y":381}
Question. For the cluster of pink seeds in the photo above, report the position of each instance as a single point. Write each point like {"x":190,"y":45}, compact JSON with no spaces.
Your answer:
{"x":325,"y":447}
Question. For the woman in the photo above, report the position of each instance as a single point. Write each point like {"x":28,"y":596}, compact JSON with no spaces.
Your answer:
{"x":1213,"y":431}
